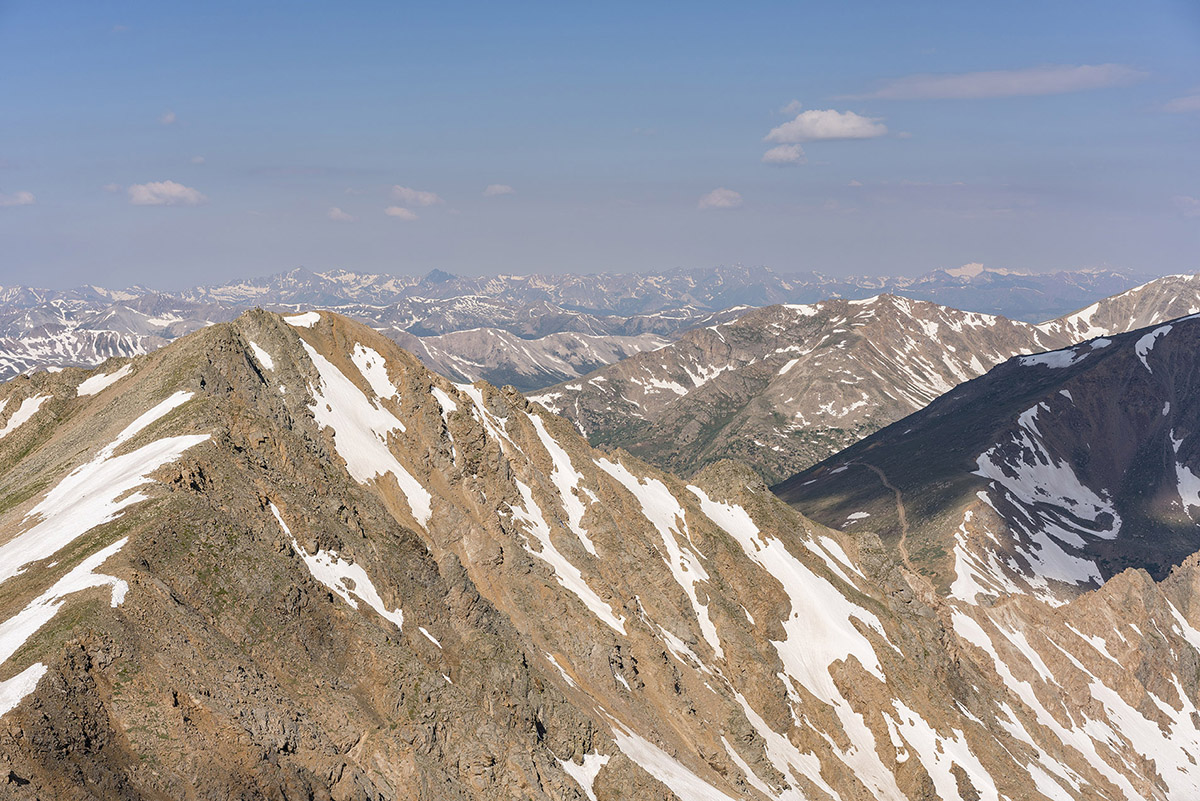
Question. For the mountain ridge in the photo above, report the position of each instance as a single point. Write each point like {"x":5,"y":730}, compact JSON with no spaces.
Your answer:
{"x":532,"y":306}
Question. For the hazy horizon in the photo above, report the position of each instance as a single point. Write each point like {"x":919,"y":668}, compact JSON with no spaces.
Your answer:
{"x":174,"y":147}
{"x":180,"y":287}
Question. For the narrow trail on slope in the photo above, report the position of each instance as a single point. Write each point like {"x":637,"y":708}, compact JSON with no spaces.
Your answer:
{"x":899,"y":511}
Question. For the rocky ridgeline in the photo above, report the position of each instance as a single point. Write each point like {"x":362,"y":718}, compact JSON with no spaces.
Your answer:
{"x":281,"y":559}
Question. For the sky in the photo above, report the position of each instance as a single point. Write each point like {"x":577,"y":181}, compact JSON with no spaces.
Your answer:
{"x":175,"y":144}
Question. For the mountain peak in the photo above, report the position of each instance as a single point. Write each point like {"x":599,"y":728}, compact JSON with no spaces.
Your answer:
{"x":436,"y":276}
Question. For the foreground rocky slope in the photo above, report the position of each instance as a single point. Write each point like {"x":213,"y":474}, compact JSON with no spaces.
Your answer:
{"x":280,"y":559}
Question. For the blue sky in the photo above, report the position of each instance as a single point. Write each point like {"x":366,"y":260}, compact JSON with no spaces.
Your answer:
{"x":174,"y":144}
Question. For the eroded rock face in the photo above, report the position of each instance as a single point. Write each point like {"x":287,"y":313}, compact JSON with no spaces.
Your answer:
{"x":281,"y":559}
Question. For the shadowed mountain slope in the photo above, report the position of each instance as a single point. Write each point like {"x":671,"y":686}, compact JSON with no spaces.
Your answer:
{"x":1051,"y":473}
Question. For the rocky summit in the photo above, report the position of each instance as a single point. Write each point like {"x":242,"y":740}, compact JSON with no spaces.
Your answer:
{"x":280,"y":559}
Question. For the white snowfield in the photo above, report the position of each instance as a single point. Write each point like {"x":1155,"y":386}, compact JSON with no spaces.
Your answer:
{"x":262,"y":356}
{"x":1057,"y":359}
{"x":360,"y":432}
{"x":26,"y":410}
{"x":373,"y":368}
{"x":333,"y":571}
{"x":585,"y":774}
{"x":1161,"y":732}
{"x":658,"y":763}
{"x":306,"y":320}
{"x":662,"y":509}
{"x":1059,"y":515}
{"x":567,"y":480}
{"x":96,"y":492}
{"x":820,"y":631}
{"x":93,"y":494}
{"x":1146,"y":344}
{"x":101,"y":381}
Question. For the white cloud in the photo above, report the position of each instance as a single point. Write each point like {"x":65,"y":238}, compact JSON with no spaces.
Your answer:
{"x":1188,"y":206}
{"x":164,"y":193}
{"x":414,"y":197}
{"x":721,"y":198}
{"x":816,"y":124}
{"x":1052,"y":79}
{"x":337,"y":214}
{"x":17,"y":199}
{"x":198,"y":159}
{"x":494,"y":190}
{"x":168,"y":118}
{"x":1185,"y":103}
{"x":792,"y":109}
{"x":854,"y":182}
{"x":783,"y":155}
{"x":112,"y":187}
{"x":400,"y":212}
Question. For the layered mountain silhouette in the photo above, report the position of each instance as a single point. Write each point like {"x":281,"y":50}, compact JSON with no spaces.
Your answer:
{"x":528,"y":330}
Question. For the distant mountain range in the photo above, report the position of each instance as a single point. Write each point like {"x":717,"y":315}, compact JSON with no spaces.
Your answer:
{"x":786,"y":386}
{"x":42,"y":329}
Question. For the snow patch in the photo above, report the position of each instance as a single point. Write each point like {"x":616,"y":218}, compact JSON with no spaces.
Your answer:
{"x":1146,"y":344}
{"x":662,"y":509}
{"x":333,"y":571}
{"x":662,"y":766}
{"x":17,"y":630}
{"x":262,"y":356}
{"x":306,"y":320}
{"x":26,"y":410}
{"x":566,"y":480}
{"x":531,"y":518}
{"x":100,"y":382}
{"x":360,"y":433}
{"x":373,"y":368}
{"x":94,"y":493}
{"x":820,"y":631}
{"x":585,"y":774}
